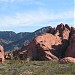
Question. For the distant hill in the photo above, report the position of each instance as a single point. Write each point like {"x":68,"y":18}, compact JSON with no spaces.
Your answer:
{"x":12,"y":41}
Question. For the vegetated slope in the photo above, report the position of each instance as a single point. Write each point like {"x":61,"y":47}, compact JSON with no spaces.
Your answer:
{"x":14,"y":41}
{"x":8,"y":37}
{"x":15,"y":67}
{"x":12,"y":36}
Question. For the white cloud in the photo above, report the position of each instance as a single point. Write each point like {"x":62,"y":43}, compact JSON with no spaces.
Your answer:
{"x":25,"y":1}
{"x":13,"y":4}
{"x":4,"y":0}
{"x":35,"y":17}
{"x":10,"y":0}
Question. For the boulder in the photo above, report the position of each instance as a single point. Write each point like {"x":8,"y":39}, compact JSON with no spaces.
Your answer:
{"x":67,"y":60}
{"x":1,"y":54}
{"x":8,"y":55}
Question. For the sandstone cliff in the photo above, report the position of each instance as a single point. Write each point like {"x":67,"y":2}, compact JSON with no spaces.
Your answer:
{"x":56,"y":44}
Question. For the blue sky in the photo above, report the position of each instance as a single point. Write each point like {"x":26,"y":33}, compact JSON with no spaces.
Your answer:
{"x":30,"y":15}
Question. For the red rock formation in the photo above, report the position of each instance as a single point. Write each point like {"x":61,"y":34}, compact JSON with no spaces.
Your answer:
{"x":1,"y":54}
{"x":71,"y":49}
{"x":41,"y":47}
{"x":49,"y":46}
{"x":52,"y":46}
{"x":70,"y":52}
{"x":67,"y":59}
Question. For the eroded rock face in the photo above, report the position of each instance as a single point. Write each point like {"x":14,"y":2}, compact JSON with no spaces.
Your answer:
{"x":48,"y":46}
{"x":71,"y":49}
{"x":41,"y":47}
{"x":1,"y":54}
{"x":53,"y":45}
{"x":67,"y":60}
{"x":70,"y":52}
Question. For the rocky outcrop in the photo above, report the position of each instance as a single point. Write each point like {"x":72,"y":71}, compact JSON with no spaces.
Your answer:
{"x":67,"y":60}
{"x":41,"y":47}
{"x":55,"y":44}
{"x":8,"y":55}
{"x":1,"y":54}
{"x":71,"y":49}
{"x":51,"y":45}
{"x":70,"y":52}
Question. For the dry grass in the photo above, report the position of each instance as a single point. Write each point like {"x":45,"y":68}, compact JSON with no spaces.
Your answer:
{"x":19,"y":67}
